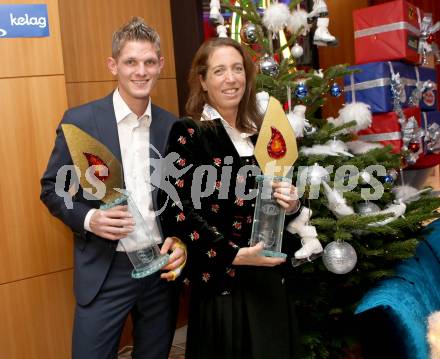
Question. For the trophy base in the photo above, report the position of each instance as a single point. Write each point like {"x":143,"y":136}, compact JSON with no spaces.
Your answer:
{"x":298,"y":262}
{"x":151,"y":268}
{"x":267,"y":253}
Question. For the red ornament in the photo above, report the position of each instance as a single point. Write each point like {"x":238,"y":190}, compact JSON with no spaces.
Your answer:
{"x":414,"y":147}
{"x":286,"y":106}
{"x":430,"y":39}
{"x":94,"y":160}
{"x":276,"y":57}
{"x":276,"y":148}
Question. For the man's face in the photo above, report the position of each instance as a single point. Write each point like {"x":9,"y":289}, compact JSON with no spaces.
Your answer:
{"x":137,"y":69}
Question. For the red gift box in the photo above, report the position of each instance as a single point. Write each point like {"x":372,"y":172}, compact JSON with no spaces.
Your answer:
{"x":386,"y":128}
{"x":388,"y":31}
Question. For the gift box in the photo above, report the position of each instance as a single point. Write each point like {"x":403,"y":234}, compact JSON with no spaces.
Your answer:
{"x":386,"y":129}
{"x":429,"y":96}
{"x":388,"y":31}
{"x":372,"y":85}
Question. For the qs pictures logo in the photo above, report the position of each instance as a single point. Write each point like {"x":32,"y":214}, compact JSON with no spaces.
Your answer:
{"x":3,"y":32}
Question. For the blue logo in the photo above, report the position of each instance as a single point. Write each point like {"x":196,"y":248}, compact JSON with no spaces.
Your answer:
{"x":24,"y":20}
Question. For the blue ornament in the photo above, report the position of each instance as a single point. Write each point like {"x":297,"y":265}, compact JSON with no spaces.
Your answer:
{"x":301,"y":91}
{"x":335,"y":90}
{"x":388,"y":179}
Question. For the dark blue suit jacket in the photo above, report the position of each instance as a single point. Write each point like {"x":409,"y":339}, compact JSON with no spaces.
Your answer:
{"x":92,"y":254}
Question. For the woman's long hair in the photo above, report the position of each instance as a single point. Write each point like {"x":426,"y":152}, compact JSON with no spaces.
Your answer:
{"x":248,"y":116}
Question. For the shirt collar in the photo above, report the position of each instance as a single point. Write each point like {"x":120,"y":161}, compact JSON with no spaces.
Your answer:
{"x":122,"y":110}
{"x":210,"y":113}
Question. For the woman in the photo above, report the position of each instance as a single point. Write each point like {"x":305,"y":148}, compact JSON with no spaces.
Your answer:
{"x":238,"y":306}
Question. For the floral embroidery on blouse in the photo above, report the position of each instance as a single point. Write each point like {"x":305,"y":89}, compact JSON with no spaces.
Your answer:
{"x":215,"y":208}
{"x":194,"y":236}
{"x":205,"y":277}
{"x":191,"y":131}
{"x":211,"y":253}
{"x":230,"y":272}
{"x":236,"y":225}
{"x":180,"y":217}
{"x":186,"y":281}
{"x":181,"y":140}
{"x":218,"y":185}
{"x":217,"y":161}
{"x":181,"y":162}
{"x":239,"y":201}
{"x":249,"y":219}
{"x":240,"y":178}
{"x":233,"y":245}
{"x":179,"y":183}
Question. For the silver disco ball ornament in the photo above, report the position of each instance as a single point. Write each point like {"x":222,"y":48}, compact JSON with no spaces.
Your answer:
{"x":249,"y":33}
{"x":367,"y":208}
{"x":339,"y":257}
{"x":297,"y":51}
{"x":268,"y":66}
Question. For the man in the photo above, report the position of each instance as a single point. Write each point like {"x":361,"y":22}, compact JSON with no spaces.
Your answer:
{"x":128,"y":124}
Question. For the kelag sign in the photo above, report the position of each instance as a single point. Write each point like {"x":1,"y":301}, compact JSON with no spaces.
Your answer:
{"x":24,"y":20}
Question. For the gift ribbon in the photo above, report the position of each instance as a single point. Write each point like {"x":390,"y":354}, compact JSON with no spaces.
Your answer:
{"x":401,"y":25}
{"x":388,"y":136}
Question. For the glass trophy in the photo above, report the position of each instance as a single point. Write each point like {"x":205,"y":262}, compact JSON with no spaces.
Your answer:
{"x":144,"y":253}
{"x":268,"y":223}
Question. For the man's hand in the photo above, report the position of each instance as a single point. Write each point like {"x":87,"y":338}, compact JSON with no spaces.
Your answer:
{"x":177,"y":258}
{"x":113,"y":223}
{"x":250,"y":256}
{"x":286,"y":195}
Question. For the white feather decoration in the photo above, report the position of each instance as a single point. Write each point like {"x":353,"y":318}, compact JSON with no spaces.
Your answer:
{"x":358,"y":112}
{"x":262,"y":101}
{"x":276,"y":16}
{"x":339,"y":147}
{"x":330,"y":148}
{"x":396,"y":210}
{"x":298,"y":120}
{"x":360,"y":147}
{"x":408,"y":194}
{"x":336,"y":202}
{"x":298,"y":20}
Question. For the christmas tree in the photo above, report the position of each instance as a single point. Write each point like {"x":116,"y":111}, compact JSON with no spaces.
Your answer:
{"x":355,"y":202}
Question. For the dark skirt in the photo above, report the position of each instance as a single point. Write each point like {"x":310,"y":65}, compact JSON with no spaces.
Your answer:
{"x":254,"y":321}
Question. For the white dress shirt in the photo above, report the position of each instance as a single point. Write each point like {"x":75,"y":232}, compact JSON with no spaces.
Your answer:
{"x":134,"y":141}
{"x":241,"y":140}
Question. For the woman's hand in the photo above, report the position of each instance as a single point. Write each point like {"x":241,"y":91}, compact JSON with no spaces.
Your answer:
{"x":287,"y":196}
{"x":251,"y":256}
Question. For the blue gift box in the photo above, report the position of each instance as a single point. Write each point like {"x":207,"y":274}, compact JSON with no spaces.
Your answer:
{"x":429,"y":97}
{"x":373,"y":84}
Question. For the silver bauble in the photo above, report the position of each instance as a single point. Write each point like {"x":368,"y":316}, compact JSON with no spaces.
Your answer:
{"x":429,"y":85}
{"x":297,"y":51}
{"x":339,"y":257}
{"x":268,"y":66}
{"x":249,"y":33}
{"x":366,"y":208}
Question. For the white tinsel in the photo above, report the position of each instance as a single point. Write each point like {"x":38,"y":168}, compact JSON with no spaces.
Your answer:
{"x":309,"y":237}
{"x":316,"y":174}
{"x":336,"y":202}
{"x":262,"y":101}
{"x":355,"y":111}
{"x":298,"y":20}
{"x":360,"y":147}
{"x":276,"y":16}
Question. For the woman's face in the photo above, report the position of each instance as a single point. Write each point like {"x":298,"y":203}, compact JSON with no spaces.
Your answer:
{"x":225,"y":80}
